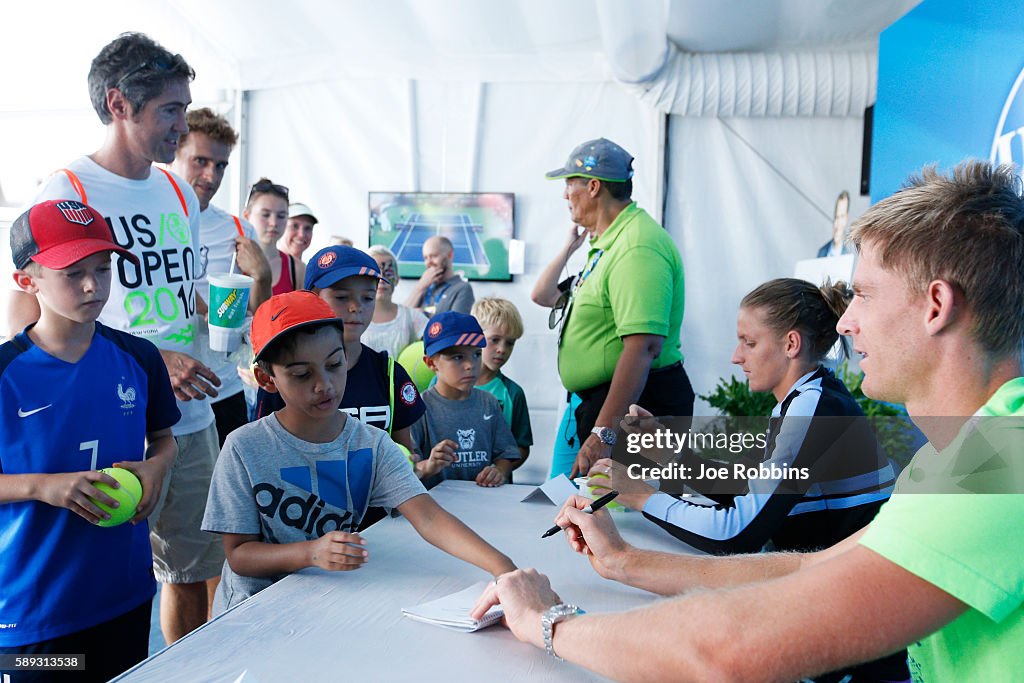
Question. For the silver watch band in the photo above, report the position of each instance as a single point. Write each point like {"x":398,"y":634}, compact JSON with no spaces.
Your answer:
{"x":606,"y":435}
{"x":555,"y":614}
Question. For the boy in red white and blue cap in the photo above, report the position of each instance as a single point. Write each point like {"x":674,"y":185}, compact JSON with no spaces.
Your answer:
{"x":463,"y":426}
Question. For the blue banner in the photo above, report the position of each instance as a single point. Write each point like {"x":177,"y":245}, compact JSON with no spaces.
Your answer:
{"x":949,"y":88}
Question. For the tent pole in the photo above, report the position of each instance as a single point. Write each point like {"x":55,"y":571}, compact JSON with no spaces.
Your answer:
{"x":474,"y":143}
{"x":661,"y":165}
{"x":414,"y":164}
{"x":241,"y":124}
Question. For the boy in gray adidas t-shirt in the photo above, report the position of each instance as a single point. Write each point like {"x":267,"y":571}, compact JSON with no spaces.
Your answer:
{"x":463,"y":425}
{"x":289,"y":490}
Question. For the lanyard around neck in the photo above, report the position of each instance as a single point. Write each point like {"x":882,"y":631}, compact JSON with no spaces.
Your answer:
{"x":584,"y":274}
{"x":427,"y":298}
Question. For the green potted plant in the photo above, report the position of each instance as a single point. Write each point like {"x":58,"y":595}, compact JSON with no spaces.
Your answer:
{"x":733,"y":398}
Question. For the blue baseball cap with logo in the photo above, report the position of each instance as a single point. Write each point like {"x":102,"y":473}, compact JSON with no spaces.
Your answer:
{"x":333,"y":264}
{"x":449,"y":329}
{"x":601,"y":159}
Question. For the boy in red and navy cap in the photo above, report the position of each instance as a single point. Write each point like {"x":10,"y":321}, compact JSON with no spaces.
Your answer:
{"x":290,"y":490}
{"x":75,"y":397}
{"x":463,"y":425}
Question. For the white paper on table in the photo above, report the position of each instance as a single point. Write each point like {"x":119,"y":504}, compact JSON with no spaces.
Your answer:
{"x":452,"y":611}
{"x":556,"y":490}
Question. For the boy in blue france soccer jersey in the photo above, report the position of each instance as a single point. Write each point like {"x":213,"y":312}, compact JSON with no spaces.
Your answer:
{"x":76,"y":396}
{"x":463,"y":425}
{"x":290,"y":490}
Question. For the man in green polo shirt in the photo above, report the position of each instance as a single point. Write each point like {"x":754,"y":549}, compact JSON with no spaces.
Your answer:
{"x":619,"y":343}
{"x":938,"y":320}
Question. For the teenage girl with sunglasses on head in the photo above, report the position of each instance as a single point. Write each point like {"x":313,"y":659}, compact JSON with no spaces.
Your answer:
{"x":267,"y":210}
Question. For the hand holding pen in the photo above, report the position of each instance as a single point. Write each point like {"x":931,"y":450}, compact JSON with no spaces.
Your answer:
{"x":595,"y":536}
{"x":590,"y":509}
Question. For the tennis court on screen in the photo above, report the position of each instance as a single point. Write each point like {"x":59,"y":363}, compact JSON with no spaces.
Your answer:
{"x":463,"y":233}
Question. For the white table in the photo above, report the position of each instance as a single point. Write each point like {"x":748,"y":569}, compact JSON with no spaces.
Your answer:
{"x":332,"y":626}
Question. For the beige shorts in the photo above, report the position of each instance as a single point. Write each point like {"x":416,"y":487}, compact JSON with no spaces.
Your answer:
{"x":182,"y":551}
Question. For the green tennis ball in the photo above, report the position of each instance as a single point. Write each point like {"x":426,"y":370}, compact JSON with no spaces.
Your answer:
{"x":128,"y":496}
{"x":411,"y":358}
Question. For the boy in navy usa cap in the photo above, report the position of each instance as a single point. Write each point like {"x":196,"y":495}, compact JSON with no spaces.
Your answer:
{"x":464,"y":426}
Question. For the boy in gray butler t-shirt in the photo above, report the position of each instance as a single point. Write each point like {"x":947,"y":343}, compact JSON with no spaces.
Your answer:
{"x":289,"y":490}
{"x":463,"y":425}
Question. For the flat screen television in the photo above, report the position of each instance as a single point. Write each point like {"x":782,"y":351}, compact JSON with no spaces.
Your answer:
{"x":480,"y":226}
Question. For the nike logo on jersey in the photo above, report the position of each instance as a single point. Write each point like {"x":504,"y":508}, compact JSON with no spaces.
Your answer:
{"x":488,"y":417}
{"x":26,"y":413}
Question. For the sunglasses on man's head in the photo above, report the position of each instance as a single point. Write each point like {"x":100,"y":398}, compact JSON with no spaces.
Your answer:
{"x":264,"y":186}
{"x":160,"y":63}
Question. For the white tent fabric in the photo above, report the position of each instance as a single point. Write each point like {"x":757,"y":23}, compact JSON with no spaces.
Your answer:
{"x":744,"y":117}
{"x":773,"y":182}
{"x":779,"y":25}
{"x":643,"y":41}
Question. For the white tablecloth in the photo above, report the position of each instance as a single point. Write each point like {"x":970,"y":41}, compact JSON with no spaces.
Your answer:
{"x":347,"y":626}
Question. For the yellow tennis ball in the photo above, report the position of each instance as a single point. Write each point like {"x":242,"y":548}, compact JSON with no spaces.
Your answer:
{"x":601,"y":488}
{"x":128,"y":496}
{"x":411,"y":358}
{"x":407,"y":454}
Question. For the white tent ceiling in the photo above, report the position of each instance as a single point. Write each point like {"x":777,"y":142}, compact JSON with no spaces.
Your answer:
{"x":250,"y":45}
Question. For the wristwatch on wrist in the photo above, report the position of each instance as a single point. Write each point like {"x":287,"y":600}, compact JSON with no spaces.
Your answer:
{"x":605,"y":434}
{"x":554,"y":615}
